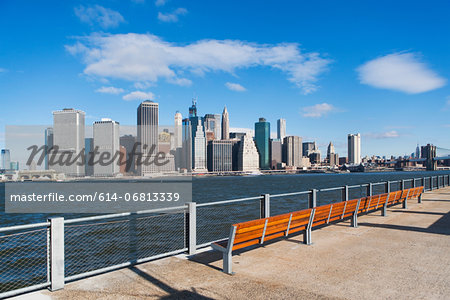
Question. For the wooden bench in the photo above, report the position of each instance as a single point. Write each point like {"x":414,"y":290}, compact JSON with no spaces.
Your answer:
{"x":256,"y":232}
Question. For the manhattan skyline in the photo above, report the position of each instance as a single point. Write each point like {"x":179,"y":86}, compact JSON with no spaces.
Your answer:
{"x":328,"y":82}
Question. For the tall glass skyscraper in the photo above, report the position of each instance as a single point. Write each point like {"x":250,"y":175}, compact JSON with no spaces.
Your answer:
{"x":262,"y":137}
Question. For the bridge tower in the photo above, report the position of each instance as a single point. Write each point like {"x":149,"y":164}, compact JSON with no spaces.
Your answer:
{"x":429,"y":155}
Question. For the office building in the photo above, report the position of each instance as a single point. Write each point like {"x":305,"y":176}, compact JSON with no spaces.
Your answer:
{"x":199,"y":149}
{"x":281,"y":129}
{"x":220,"y":156}
{"x":293,"y":151}
{"x":5,"y":159}
{"x":48,"y":144}
{"x":129,"y":142}
{"x":248,"y":157}
{"x":332,"y":157}
{"x":106,"y":140}
{"x":417,"y":151}
{"x":88,"y":152}
{"x":308,"y":147}
{"x":262,"y":136}
{"x":275,"y":153}
{"x":314,"y":157}
{"x":186,"y":161}
{"x":147,"y":136}
{"x":354,"y":149}
{"x":68,"y":142}
{"x":225,"y":124}
{"x":237,"y":135}
{"x":178,"y":135}
{"x":212,"y":124}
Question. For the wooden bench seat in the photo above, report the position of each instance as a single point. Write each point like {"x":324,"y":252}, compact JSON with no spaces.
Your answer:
{"x":256,"y":232}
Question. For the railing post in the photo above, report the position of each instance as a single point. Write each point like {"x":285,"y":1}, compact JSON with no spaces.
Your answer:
{"x":423,"y":183}
{"x":370,"y":189}
{"x":191,"y":223}
{"x":56,"y":248}
{"x":264,"y":206}
{"x":414,"y":183}
{"x":345,"y":193}
{"x":388,"y":186}
{"x":431,"y":183}
{"x":402,"y":184}
{"x":313,"y":198}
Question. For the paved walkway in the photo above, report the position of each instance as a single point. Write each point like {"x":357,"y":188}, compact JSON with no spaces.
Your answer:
{"x":405,"y":255}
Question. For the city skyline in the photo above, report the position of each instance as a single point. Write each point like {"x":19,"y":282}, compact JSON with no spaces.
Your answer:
{"x":45,"y":67}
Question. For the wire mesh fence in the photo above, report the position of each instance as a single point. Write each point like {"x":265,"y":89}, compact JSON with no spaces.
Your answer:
{"x":23,"y":259}
{"x":213,"y":222}
{"x":98,"y":245}
{"x":329,"y":196}
{"x":286,"y":204}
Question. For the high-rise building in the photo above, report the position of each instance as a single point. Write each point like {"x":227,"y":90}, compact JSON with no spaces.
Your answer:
{"x":275,"y":153}
{"x":199,"y":147}
{"x":330,"y":149}
{"x":281,"y":129}
{"x":129,"y":142}
{"x":354,"y":149}
{"x":293,"y":149}
{"x":186,"y":161}
{"x":178,"y":135}
{"x":68,"y":141}
{"x":88,"y":152}
{"x":308,"y":147}
{"x":417,"y":151}
{"x":106,"y":140}
{"x":314,"y":157}
{"x":248,"y":157}
{"x":48,"y":144}
{"x":262,"y":136}
{"x":333,"y":159}
{"x":5,"y":159}
{"x":220,"y":156}
{"x":237,"y":135}
{"x":147,"y":136}
{"x":225,"y":124}
{"x":212,"y":124}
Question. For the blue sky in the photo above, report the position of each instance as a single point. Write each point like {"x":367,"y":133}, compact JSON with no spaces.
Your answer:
{"x":328,"y":67}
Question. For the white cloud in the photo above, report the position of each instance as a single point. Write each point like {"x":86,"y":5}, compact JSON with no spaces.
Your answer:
{"x":110,"y":90}
{"x":235,"y":87}
{"x":105,"y":17}
{"x":400,"y":72}
{"x":139,"y":95}
{"x":146,"y":57}
{"x":318,"y":110}
{"x":2,"y":70}
{"x":383,"y":135}
{"x":447,"y":103}
{"x":173,"y":16}
{"x":161,"y":2}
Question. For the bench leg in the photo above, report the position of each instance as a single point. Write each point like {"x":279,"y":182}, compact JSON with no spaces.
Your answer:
{"x":405,"y":204}
{"x":307,"y":237}
{"x":419,"y":199}
{"x":227,"y":263}
{"x":354,"y":220}
{"x":384,"y":210}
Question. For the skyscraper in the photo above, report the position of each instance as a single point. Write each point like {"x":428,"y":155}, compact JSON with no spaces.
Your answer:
{"x":220,"y":156}
{"x":68,"y":138}
{"x":88,"y":152}
{"x":225,"y":124}
{"x":212,"y":124}
{"x":199,"y":146}
{"x":129,"y":142}
{"x":186,"y":161}
{"x":330,"y":149}
{"x":48,"y":144}
{"x":308,"y":147}
{"x":147,"y":135}
{"x":354,"y":148}
{"x":417,"y":151}
{"x":276,"y":151}
{"x":178,"y":140}
{"x":293,"y":150}
{"x":281,"y":129}
{"x":248,"y":157}
{"x":262,"y":136}
{"x":106,"y":140}
{"x":332,"y":157}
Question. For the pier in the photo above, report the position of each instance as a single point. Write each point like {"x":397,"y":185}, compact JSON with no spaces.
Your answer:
{"x":404,"y":255}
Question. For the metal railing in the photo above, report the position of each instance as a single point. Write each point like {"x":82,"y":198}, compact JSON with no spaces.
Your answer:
{"x":51,"y":253}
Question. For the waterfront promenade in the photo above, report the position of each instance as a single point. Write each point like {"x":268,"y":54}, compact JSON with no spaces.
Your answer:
{"x":405,"y":255}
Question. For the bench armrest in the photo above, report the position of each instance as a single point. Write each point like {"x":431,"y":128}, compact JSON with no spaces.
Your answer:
{"x":219,"y":248}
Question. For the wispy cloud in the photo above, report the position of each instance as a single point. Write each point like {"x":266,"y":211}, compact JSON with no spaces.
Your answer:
{"x":146,"y":57}
{"x":161,"y":2}
{"x":235,"y":87}
{"x":447,"y":104}
{"x":2,"y":70}
{"x":139,"y":95}
{"x":318,"y":110}
{"x":446,"y":125}
{"x":400,"y":72}
{"x":382,"y":135}
{"x":173,"y":16}
{"x":110,"y":90}
{"x":105,"y":17}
